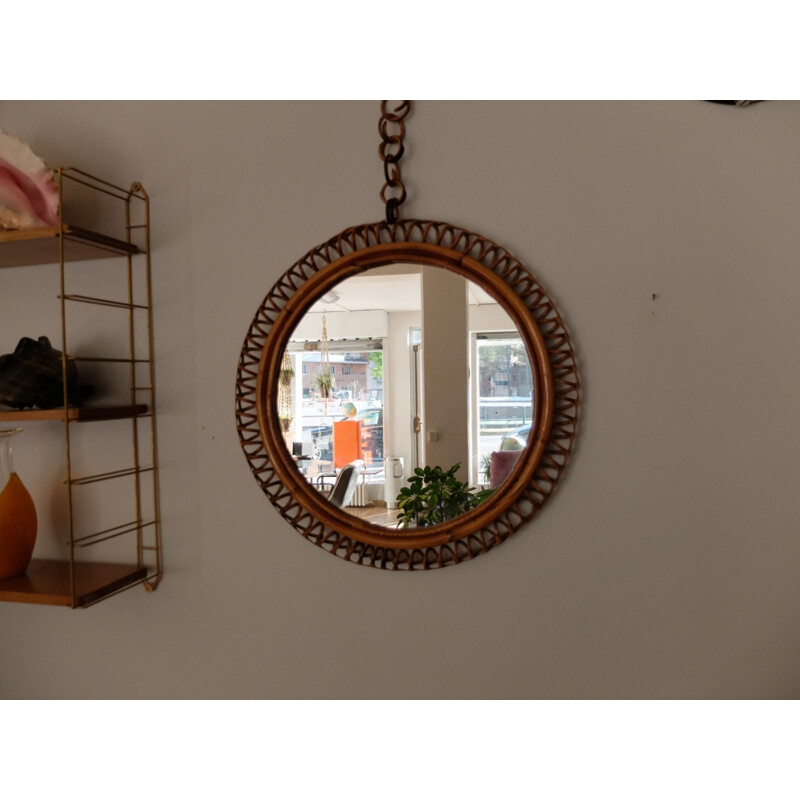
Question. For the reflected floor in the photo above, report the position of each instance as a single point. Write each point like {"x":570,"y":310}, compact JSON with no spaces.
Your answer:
{"x":377,"y":515}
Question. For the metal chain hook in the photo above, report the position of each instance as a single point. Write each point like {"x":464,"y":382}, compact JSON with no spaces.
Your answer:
{"x":391,"y":151}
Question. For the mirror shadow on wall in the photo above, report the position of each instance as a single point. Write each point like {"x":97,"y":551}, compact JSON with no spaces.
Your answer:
{"x":406,"y":395}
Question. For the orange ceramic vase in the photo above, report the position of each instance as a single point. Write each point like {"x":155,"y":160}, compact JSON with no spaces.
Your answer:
{"x":17,"y":514}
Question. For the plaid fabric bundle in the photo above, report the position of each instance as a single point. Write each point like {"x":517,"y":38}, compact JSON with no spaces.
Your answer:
{"x":31,"y":376}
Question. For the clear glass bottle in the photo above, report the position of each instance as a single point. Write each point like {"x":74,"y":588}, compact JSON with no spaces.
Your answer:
{"x":17,"y":514}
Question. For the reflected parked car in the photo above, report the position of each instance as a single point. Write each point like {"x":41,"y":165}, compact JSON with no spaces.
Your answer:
{"x":516,"y":439}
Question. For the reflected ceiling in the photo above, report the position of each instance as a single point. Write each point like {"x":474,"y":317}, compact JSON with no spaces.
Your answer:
{"x":395,"y":288}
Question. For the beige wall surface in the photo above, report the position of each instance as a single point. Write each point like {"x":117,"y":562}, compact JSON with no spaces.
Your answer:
{"x":667,"y":563}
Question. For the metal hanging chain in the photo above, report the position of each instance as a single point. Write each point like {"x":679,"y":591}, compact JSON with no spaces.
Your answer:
{"x":391,"y":151}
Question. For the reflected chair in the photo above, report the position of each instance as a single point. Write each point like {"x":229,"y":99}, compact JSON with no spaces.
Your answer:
{"x":502,"y":465}
{"x":345,"y":485}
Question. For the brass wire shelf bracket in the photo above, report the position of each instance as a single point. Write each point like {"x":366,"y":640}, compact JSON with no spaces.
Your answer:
{"x":99,"y":301}
{"x":102,"y":359}
{"x":107,"y":476}
{"x":111,"y":533}
{"x":72,"y":582}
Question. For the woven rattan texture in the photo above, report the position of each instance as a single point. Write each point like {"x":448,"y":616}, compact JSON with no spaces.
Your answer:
{"x":565,"y":378}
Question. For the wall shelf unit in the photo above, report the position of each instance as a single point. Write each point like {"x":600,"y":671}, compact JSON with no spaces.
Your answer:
{"x":42,"y":245}
{"x":86,"y":414}
{"x":48,"y":582}
{"x":78,"y":582}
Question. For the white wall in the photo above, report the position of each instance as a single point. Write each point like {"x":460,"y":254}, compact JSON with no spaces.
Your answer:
{"x":489,"y":318}
{"x":665,"y":566}
{"x":342,"y":325}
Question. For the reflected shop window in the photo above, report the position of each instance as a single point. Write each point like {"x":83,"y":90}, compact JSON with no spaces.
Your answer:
{"x":406,"y":395}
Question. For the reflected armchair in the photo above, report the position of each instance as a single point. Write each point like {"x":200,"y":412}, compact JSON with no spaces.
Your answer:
{"x":502,"y":464}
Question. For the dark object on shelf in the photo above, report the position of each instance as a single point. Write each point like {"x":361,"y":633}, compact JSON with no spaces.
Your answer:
{"x":31,"y":376}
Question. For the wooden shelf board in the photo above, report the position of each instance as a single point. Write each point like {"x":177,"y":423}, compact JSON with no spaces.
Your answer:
{"x":41,"y":246}
{"x":47,"y":582}
{"x":86,"y":414}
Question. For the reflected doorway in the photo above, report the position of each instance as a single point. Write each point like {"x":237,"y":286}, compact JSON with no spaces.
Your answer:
{"x":417,"y":394}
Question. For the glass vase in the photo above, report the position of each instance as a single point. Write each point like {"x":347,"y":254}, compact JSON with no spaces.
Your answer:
{"x":17,"y":514}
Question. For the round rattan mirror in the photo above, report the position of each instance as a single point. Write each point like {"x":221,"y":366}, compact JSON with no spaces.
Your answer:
{"x":553,"y":405}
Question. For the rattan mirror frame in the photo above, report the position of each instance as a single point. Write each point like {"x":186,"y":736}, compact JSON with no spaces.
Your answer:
{"x":556,"y":393}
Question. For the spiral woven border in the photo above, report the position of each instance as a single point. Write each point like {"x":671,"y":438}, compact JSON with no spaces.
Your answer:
{"x":565,"y":380}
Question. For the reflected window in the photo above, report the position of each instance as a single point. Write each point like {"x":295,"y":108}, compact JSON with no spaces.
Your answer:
{"x":356,"y":395}
{"x":455,"y":403}
{"x":502,"y":398}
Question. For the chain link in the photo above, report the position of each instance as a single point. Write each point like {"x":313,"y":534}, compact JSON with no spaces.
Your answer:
{"x":392,"y":130}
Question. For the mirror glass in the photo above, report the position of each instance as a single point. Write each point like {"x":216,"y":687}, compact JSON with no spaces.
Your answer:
{"x":404,"y":368}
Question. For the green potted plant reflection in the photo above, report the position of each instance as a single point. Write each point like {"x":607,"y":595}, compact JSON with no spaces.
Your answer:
{"x":486,"y":468}
{"x":286,"y":373}
{"x":434,"y":496}
{"x":324,"y":382}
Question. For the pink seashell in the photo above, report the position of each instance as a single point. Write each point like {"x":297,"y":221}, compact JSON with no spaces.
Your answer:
{"x":28,"y":193}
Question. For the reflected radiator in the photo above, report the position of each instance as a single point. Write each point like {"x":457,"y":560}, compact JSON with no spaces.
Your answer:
{"x":360,"y":496}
